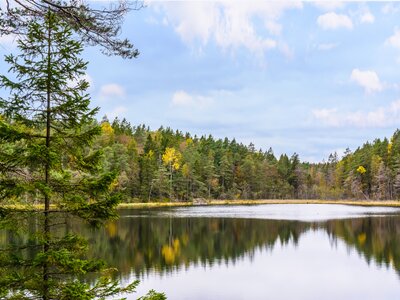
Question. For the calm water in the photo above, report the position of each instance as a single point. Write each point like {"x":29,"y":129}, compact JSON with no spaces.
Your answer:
{"x":257,"y":252}
{"x":250,"y":252}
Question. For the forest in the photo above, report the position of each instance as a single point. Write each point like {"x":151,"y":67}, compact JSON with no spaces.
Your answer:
{"x":63,"y":173}
{"x":164,"y":164}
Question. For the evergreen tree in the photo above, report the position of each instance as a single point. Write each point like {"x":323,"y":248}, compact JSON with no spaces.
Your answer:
{"x":46,"y":130}
{"x":381,"y":178}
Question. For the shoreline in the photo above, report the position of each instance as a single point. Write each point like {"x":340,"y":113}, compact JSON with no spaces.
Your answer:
{"x":155,"y":205}
{"x":150,"y":205}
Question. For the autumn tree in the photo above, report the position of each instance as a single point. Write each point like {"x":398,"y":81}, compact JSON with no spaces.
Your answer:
{"x":172,"y":159}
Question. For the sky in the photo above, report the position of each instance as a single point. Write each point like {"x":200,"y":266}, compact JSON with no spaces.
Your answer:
{"x":305,"y":77}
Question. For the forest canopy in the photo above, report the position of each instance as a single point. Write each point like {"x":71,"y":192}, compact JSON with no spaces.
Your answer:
{"x":166,"y":164}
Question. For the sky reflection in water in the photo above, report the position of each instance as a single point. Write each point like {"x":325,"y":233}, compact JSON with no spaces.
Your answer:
{"x":263,"y":251}
{"x":299,"y":212}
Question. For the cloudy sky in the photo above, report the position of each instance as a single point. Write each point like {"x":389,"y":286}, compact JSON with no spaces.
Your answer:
{"x":305,"y":77}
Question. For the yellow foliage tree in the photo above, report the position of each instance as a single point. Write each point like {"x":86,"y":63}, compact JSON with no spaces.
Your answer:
{"x":170,"y":252}
{"x":361,"y":170}
{"x":106,"y":128}
{"x":189,"y":142}
{"x":186,"y":170}
{"x":107,"y":133}
{"x":172,"y":159}
{"x":390,"y":147}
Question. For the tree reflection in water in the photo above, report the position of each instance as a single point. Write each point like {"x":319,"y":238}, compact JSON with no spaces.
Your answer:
{"x":143,"y":243}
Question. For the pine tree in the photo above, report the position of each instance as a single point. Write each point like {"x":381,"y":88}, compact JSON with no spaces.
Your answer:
{"x":46,"y":129}
{"x":382,"y":181}
{"x":209,"y":172}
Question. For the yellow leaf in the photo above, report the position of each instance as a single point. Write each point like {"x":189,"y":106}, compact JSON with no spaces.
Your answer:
{"x":361,"y":170}
{"x":176,"y":165}
{"x":168,"y":254}
{"x":189,"y":141}
{"x":172,"y":157}
{"x":362,"y":237}
{"x":185,"y":170}
{"x":106,"y":128}
{"x":111,"y":229}
{"x":150,"y":154}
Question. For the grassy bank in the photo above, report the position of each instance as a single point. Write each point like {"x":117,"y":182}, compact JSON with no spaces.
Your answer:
{"x":388,"y":203}
{"x":149,"y":205}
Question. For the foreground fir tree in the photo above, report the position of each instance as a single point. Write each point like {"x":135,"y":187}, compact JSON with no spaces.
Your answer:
{"x":46,"y":129}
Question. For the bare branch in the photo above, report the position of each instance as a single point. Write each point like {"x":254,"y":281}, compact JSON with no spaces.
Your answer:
{"x":95,"y":26}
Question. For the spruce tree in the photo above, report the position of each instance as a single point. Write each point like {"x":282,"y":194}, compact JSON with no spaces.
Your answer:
{"x":46,"y":129}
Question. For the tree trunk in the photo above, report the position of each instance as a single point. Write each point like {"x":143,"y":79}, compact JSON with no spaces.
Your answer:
{"x":46,"y":245}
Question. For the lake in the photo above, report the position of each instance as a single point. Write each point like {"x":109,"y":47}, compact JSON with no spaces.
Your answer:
{"x":256,"y":252}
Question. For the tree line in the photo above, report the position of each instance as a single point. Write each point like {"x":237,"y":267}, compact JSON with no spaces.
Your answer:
{"x":164,"y":164}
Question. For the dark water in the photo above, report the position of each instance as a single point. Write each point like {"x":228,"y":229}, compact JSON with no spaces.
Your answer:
{"x":257,"y":252}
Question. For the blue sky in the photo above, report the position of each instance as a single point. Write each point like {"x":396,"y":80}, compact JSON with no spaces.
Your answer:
{"x":304,"y":77}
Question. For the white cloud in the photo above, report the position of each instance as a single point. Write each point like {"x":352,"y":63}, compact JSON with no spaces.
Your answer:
{"x":329,"y":5}
{"x":152,"y":21}
{"x":229,"y":24}
{"x":87,"y":77}
{"x":8,"y":41}
{"x":333,"y":20}
{"x":183,"y":99}
{"x":273,"y":27}
{"x":193,"y":21}
{"x":328,"y":116}
{"x":394,"y":40}
{"x":3,"y":5}
{"x":286,"y":50}
{"x":363,"y":14}
{"x":369,"y":80}
{"x":111,"y":91}
{"x":380,"y":117}
{"x":390,"y":8}
{"x":327,"y":46}
{"x":116,"y":112}
{"x":11,"y":4}
{"x":367,"y":17}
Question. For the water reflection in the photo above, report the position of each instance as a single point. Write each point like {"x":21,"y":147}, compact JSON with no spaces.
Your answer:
{"x":144,"y":243}
{"x":158,"y":246}
{"x":375,"y":238}
{"x":298,"y":212}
